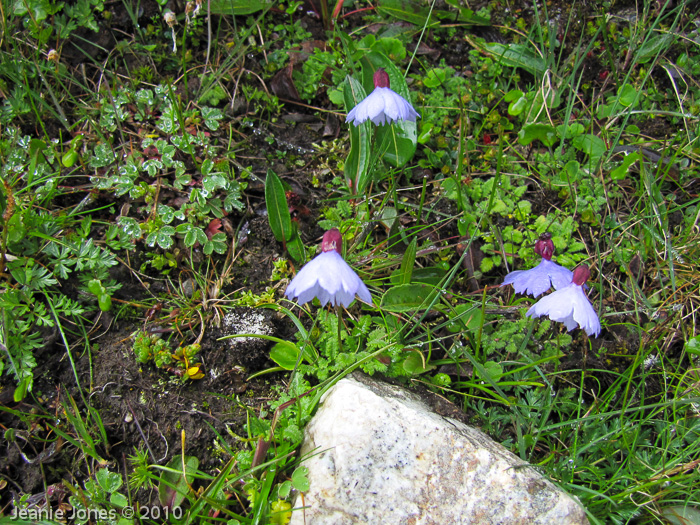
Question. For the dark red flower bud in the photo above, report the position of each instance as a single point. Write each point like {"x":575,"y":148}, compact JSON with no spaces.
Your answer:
{"x":544,"y":248}
{"x":332,"y":240}
{"x":381,"y":79}
{"x":581,"y":275}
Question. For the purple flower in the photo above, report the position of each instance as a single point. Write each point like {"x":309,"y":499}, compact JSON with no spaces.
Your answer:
{"x":383,"y":105}
{"x":328,"y":277}
{"x":542,"y":277}
{"x":569,"y":305}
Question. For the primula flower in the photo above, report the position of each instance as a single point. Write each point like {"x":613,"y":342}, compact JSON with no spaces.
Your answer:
{"x":328,"y":277}
{"x":569,"y":305}
{"x":383,"y":105}
{"x":542,"y":277}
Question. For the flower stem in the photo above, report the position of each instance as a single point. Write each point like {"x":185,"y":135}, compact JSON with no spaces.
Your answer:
{"x":340,"y":341}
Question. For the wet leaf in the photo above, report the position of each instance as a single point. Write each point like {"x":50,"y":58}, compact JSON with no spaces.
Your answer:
{"x":357,"y":162}
{"x":277,"y":208}
{"x":406,"y":297}
{"x":300,"y":480}
{"x":517,"y":55}
{"x":174,"y":486}
{"x":542,"y":132}
{"x":407,"y":263}
{"x":415,"y":364}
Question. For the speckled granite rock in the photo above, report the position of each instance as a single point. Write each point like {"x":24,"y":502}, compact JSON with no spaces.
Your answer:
{"x":382,"y":457}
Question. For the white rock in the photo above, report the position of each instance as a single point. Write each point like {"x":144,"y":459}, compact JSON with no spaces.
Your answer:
{"x":383,"y":457}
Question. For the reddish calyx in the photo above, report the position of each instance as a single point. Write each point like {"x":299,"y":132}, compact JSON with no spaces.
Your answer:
{"x":332,"y":240}
{"x":545,"y":248}
{"x":581,"y":275}
{"x":381,"y":79}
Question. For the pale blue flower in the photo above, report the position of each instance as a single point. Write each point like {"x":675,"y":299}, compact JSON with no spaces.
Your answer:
{"x":328,"y":277}
{"x":569,"y":305}
{"x":539,"y":279}
{"x":383,"y":105}
{"x":542,"y":277}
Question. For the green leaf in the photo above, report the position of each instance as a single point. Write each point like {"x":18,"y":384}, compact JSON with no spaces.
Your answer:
{"x":69,"y":158}
{"x":626,"y":95}
{"x":285,"y":355}
{"x":414,"y":364}
{"x":466,"y":15}
{"x":300,"y":480}
{"x":296,"y":248}
{"x":406,"y":297}
{"x":130,"y":227}
{"x":238,"y":7}
{"x":118,"y":500}
{"x":435,"y":78}
{"x":491,"y":369}
{"x":682,"y":514}
{"x":517,"y":106}
{"x":591,"y":145}
{"x":22,"y":388}
{"x":173,"y":486}
{"x":407,"y":11}
{"x":407,"y":263}
{"x":109,"y":481}
{"x":517,"y":55}
{"x":213,"y":182}
{"x":218,"y":243}
{"x":277,"y":208}
{"x":465,"y":317}
{"x":622,"y":170}
{"x":195,"y":235}
{"x":570,"y":131}
{"x":163,"y":237}
{"x":653,"y":46}
{"x":692,"y":346}
{"x":542,"y":132}
{"x":357,"y":162}
{"x":104,"y":302}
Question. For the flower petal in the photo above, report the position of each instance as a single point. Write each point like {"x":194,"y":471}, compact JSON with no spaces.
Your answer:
{"x":558,"y":275}
{"x":329,"y":278}
{"x":382,"y":106}
{"x":568,"y":305}
{"x":539,"y":279}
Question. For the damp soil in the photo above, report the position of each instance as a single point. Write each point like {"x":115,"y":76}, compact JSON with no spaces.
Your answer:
{"x":154,"y":409}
